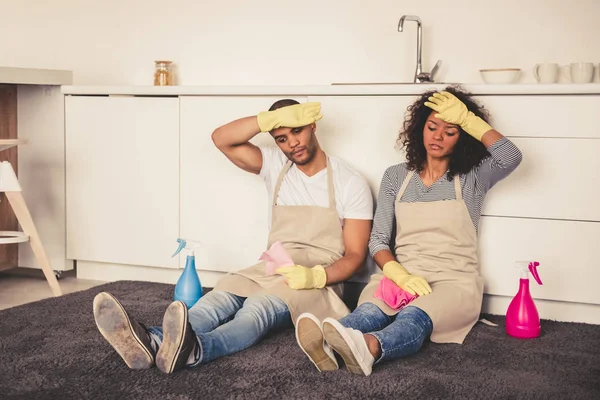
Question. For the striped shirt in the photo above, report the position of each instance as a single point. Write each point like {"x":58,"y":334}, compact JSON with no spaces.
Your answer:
{"x":504,"y":158}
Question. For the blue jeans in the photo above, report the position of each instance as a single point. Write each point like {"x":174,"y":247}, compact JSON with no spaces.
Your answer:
{"x":225,"y":323}
{"x":399,"y":335}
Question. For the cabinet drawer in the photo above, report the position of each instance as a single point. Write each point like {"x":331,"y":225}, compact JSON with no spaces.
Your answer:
{"x":545,"y":116}
{"x":566,"y":250}
{"x":558,"y":178}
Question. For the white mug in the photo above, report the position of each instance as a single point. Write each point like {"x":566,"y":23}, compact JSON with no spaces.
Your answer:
{"x":581,"y":72}
{"x":546,"y":73}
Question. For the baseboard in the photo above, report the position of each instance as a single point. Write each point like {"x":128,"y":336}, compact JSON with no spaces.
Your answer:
{"x":492,"y":304}
{"x":548,"y":309}
{"x":31,"y":263}
{"x":109,"y":272}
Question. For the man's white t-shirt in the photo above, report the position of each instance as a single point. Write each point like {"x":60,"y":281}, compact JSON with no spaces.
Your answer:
{"x":352,"y":194}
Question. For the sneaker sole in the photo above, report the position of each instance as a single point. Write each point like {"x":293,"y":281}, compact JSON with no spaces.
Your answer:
{"x":310,"y":340}
{"x":342,"y":344}
{"x":174,"y":326}
{"x":114,"y":324}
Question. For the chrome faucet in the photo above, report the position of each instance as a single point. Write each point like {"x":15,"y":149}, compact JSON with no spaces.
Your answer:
{"x":420,"y":76}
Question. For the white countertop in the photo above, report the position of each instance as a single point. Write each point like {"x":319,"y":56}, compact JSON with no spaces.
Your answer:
{"x":331,"y":90}
{"x":32,"y":76}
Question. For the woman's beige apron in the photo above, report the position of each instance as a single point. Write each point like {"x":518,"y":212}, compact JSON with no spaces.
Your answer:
{"x":437,"y":240}
{"x":311,"y":235}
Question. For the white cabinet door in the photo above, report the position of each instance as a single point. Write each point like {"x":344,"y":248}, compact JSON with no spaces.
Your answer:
{"x":122,"y":157}
{"x":363,"y":131}
{"x":222,"y":206}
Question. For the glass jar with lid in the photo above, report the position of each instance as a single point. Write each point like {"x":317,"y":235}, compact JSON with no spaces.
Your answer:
{"x":163,"y":75}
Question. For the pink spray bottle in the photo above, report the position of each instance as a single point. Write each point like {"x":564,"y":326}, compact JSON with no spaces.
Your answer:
{"x":522,"y":318}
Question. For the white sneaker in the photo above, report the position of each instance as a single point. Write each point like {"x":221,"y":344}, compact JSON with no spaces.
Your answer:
{"x":309,"y":336}
{"x":351,"y":345}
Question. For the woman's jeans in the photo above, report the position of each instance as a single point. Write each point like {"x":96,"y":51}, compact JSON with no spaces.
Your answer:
{"x":399,"y":335}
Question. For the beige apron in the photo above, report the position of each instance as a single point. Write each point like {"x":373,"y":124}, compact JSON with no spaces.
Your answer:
{"x":312,"y":235}
{"x":437,"y":240}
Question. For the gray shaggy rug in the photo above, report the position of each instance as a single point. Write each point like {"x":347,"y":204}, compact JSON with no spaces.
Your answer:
{"x":51,"y":349}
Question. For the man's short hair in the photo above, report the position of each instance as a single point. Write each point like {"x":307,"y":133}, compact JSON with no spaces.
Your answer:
{"x":283,"y":103}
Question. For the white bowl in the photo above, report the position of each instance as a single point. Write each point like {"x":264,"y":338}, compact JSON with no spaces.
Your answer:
{"x":500,"y":76}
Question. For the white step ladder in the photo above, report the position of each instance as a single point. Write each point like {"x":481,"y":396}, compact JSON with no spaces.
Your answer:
{"x":11,"y":187}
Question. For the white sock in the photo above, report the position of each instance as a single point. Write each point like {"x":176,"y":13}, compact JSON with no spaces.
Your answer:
{"x":155,"y":341}
{"x":195,"y":356}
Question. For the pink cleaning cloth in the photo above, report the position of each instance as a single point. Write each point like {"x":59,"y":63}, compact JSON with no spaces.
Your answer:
{"x":276,"y":257}
{"x":392,"y":295}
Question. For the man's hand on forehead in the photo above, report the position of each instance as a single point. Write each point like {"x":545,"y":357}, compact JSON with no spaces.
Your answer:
{"x":295,"y":116}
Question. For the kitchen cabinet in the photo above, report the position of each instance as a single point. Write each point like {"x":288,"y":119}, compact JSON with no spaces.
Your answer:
{"x":32,"y":109}
{"x":558,"y":176}
{"x":546,"y":210}
{"x":122,"y":161}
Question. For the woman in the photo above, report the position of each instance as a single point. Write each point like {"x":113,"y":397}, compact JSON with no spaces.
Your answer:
{"x":433,"y":201}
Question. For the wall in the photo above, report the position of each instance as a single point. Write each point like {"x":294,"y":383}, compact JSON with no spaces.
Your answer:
{"x":308,"y":42}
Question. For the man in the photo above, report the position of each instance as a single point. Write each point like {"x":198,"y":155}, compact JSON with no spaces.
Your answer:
{"x":321,"y":214}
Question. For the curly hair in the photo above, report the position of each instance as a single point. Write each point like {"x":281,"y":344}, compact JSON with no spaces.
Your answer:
{"x":468,"y":151}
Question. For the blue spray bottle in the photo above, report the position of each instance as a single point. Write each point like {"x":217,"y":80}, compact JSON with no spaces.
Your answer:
{"x":188,"y":288}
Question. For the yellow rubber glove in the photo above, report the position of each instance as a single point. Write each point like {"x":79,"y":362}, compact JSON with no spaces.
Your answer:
{"x":299,"y":277}
{"x":453,"y":111}
{"x":413,"y":284}
{"x":290,"y":116}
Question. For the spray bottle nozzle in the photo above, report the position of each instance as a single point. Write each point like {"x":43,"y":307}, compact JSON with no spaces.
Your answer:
{"x":186,"y":244}
{"x":533,"y":269}
{"x":182,"y":244}
{"x":529,"y":266}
